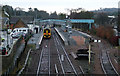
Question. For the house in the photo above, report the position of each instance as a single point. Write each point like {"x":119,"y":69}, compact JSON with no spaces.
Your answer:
{"x":20,"y":21}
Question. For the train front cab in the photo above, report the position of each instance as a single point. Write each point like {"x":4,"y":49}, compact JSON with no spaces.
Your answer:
{"x":47,"y":33}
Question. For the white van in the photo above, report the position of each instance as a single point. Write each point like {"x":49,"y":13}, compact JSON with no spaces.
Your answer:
{"x":19,"y":30}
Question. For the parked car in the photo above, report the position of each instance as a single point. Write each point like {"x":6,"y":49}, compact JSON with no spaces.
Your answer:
{"x":17,"y":35}
{"x":18,"y":30}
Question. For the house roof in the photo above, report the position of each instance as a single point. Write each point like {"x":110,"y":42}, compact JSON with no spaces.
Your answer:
{"x":25,"y":19}
{"x":17,"y":23}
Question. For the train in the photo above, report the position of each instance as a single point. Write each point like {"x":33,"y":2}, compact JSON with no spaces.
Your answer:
{"x":47,"y":33}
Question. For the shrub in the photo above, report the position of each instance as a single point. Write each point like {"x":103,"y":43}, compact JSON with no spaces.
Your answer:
{"x":114,"y":40}
{"x":106,"y":33}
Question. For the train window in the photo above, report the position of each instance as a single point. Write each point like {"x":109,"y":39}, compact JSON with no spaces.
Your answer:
{"x":24,"y":30}
{"x":46,"y":30}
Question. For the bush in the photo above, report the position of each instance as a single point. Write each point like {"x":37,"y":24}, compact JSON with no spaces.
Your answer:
{"x":93,"y":31}
{"x":114,"y":40}
{"x":106,"y":33}
{"x":100,"y":32}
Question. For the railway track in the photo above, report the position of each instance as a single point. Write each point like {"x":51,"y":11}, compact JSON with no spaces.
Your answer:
{"x":66,"y":63}
{"x":44,"y":62}
{"x":81,"y":70}
{"x":54,"y":59}
{"x":106,"y":64}
{"x":56,"y":63}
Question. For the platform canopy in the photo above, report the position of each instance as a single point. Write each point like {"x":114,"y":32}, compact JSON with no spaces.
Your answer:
{"x":82,"y":20}
{"x":71,"y":20}
{"x":88,"y":21}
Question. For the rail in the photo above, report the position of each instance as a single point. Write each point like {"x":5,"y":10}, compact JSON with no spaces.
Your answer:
{"x":49,"y":58}
{"x":106,"y":70}
{"x":111,"y":63}
{"x":44,"y":62}
{"x":56,"y":69}
{"x":102,"y":64}
{"x":59,"y":58}
{"x":68,"y":58}
{"x":81,"y":70}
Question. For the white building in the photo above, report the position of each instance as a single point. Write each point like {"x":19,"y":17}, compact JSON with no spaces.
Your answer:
{"x":34,"y":28}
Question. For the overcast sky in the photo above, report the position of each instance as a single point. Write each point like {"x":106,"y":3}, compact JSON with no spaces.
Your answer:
{"x":61,"y":5}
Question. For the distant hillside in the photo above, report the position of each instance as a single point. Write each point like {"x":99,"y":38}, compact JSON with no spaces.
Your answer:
{"x":109,"y":10}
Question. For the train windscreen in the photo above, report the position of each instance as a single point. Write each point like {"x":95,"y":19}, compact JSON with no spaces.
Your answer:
{"x":46,"y":31}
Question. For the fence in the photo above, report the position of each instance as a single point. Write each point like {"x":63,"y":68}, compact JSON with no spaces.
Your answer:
{"x":11,"y":61}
